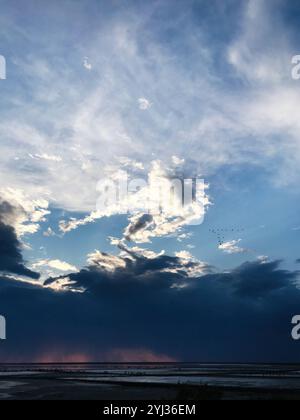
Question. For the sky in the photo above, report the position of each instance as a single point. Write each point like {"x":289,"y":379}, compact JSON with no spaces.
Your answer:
{"x":105,"y":93}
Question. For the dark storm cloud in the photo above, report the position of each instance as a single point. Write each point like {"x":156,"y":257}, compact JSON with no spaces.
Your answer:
{"x":237,"y":316}
{"x":11,"y":260}
{"x":255,"y":280}
{"x":135,"y":269}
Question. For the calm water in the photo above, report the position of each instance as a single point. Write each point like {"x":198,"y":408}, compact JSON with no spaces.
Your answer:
{"x":254,"y":376}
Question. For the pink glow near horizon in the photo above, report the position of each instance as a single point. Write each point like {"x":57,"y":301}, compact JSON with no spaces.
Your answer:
{"x":116,"y":355}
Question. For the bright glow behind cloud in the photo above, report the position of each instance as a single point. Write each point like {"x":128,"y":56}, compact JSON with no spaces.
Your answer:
{"x":159,"y":207}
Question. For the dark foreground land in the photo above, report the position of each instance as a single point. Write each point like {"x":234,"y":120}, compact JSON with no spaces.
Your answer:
{"x":160,"y":382}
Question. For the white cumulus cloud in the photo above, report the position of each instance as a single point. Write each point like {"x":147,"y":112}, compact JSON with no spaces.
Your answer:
{"x":232,"y":247}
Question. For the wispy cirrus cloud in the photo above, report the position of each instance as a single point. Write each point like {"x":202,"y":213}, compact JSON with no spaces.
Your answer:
{"x":255,"y":124}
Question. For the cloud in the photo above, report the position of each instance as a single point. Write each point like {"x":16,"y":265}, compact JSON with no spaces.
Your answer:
{"x":232,"y":247}
{"x":134,"y":262}
{"x":86,"y":64}
{"x":135,"y":252}
{"x":106,"y":262}
{"x":73,"y":223}
{"x":263,"y":258}
{"x":147,"y":313}
{"x":116,"y":355}
{"x":138,"y":223}
{"x":251,"y":280}
{"x":254,"y":280}
{"x":184,"y":236}
{"x":60,"y":357}
{"x":131,"y":163}
{"x":167,"y":212}
{"x":144,"y":104}
{"x":177,"y":161}
{"x":44,"y":156}
{"x":57,"y":265}
{"x":138,"y":356}
{"x":161,"y":206}
{"x":253,"y":59}
{"x":146,"y":253}
{"x":184,"y":255}
{"x":24,"y":214}
{"x":147,"y":305}
{"x":11,"y":260}
{"x":254,"y":121}
{"x":49,"y":232}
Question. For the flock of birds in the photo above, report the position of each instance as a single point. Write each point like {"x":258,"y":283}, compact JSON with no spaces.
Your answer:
{"x":220,"y":233}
